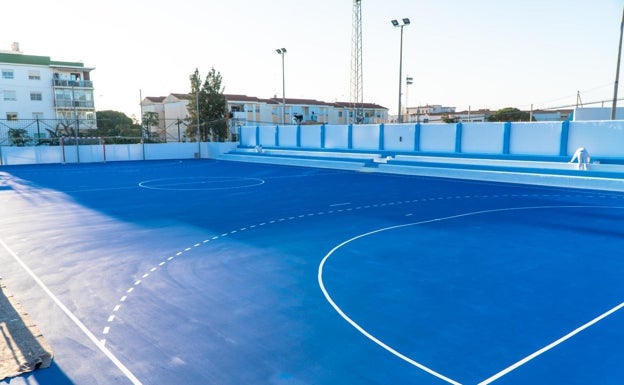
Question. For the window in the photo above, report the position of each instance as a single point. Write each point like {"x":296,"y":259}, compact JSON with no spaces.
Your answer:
{"x":11,"y":116}
{"x":36,"y":96}
{"x":10,"y":95}
{"x":34,"y":75}
{"x":7,"y":74}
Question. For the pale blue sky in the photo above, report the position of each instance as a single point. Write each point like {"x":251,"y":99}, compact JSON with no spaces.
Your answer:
{"x":477,"y":54}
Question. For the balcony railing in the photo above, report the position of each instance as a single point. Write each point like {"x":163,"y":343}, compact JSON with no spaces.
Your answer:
{"x":72,"y":83}
{"x":72,"y":104}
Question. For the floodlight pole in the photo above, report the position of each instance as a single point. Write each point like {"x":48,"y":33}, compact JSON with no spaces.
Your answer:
{"x":395,"y":23}
{"x":197,"y":113}
{"x":408,"y":82}
{"x":76,"y":120}
{"x":282,"y":51}
{"x":617,"y":71}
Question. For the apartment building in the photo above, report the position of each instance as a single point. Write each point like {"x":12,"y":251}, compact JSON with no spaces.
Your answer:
{"x":246,"y":110}
{"x":38,"y":88}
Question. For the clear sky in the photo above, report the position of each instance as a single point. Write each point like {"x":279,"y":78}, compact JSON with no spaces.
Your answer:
{"x":478,"y":53}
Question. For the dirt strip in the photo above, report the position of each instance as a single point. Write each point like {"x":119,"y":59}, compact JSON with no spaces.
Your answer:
{"x":22,"y":347}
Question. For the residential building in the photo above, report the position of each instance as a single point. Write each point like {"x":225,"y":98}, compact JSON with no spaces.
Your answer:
{"x":551,"y":115}
{"x":38,"y":88}
{"x":430,"y":113}
{"x":250,"y":110}
{"x":438,"y":114}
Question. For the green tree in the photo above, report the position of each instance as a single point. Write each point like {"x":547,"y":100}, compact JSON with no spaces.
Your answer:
{"x":150,"y":119}
{"x":446,"y":118}
{"x":509,"y":114}
{"x":19,"y":136}
{"x":212,"y":108}
{"x":115,"y":124}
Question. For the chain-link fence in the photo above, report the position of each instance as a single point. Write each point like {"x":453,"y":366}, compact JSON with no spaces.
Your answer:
{"x":38,"y":132}
{"x":50,"y":132}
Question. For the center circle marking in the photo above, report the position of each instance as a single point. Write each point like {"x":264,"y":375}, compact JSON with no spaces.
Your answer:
{"x":200,"y":183}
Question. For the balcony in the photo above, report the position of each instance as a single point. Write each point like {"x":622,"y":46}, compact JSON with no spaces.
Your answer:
{"x":72,"y":83}
{"x":75,"y":103}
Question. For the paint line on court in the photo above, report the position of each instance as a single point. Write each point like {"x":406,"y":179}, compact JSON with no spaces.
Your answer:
{"x":356,"y":325}
{"x":415,"y":363}
{"x":129,"y":375}
{"x":551,"y":345}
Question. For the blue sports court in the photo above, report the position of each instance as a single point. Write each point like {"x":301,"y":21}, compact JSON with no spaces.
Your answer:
{"x":216,"y":272}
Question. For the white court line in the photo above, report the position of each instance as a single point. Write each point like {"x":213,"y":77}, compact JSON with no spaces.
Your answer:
{"x":340,"y":204}
{"x":552,"y":345}
{"x":415,"y":363}
{"x":361,"y":329}
{"x":72,"y":317}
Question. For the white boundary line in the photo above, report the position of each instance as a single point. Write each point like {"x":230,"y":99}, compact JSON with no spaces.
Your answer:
{"x":552,"y":345}
{"x":419,"y":365}
{"x":75,"y":319}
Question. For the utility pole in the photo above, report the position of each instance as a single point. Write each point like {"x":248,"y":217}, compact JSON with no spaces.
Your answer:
{"x":617,"y":71}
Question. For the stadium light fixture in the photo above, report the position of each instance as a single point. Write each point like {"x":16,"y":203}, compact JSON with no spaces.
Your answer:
{"x":395,"y":23}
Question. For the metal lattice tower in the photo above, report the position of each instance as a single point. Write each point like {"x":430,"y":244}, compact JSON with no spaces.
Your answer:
{"x":357,"y":94}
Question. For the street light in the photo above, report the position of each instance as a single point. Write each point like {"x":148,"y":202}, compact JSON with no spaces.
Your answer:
{"x":282,"y":51}
{"x":408,"y":82}
{"x":395,"y":23}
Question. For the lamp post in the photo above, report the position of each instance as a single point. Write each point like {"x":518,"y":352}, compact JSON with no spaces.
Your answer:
{"x":395,"y":23}
{"x":282,"y":51}
{"x":197,"y":113}
{"x":408,"y":82}
{"x":76,"y":131}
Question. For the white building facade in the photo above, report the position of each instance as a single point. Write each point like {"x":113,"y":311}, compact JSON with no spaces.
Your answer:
{"x":36,"y":88}
{"x":246,"y":110}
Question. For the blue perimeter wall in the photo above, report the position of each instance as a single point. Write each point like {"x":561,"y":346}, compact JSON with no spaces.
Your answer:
{"x":604,"y":139}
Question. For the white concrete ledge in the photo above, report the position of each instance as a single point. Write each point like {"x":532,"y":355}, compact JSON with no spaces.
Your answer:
{"x":543,"y":173}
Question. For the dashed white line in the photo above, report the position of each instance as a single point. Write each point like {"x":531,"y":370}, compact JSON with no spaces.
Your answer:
{"x":162,"y":263}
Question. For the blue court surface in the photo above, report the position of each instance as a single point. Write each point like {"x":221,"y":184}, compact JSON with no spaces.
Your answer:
{"x":215,"y":272}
